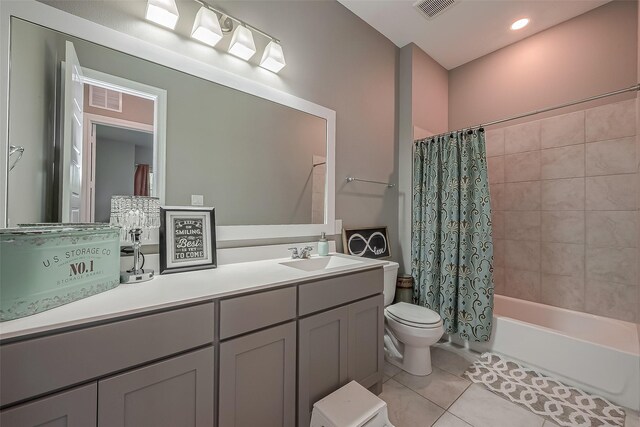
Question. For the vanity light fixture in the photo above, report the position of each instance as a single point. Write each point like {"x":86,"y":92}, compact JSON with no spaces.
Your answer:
{"x":242,"y":44}
{"x":273,"y":57}
{"x":206,"y":27}
{"x":163,"y":12}
{"x":211,"y":25}
{"x":520,"y":24}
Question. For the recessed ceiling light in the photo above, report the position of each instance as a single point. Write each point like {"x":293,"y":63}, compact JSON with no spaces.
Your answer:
{"x":520,"y":24}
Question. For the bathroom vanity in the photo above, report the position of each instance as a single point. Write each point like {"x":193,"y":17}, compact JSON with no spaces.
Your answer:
{"x":248,"y":344}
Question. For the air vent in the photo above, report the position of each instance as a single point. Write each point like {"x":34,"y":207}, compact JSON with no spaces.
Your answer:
{"x":107,"y":99}
{"x":432,"y":8}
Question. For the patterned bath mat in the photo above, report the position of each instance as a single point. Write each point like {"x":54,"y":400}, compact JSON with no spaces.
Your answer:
{"x":561,"y":404}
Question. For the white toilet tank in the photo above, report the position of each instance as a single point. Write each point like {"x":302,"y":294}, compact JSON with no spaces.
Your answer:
{"x":390,"y":278}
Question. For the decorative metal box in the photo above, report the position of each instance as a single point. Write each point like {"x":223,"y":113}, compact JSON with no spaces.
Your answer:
{"x":43,"y":266}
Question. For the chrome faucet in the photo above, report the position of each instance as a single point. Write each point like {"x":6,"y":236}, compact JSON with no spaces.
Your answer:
{"x":302,"y":253}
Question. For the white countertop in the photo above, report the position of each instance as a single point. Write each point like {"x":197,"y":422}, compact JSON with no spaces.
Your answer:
{"x":172,"y":290}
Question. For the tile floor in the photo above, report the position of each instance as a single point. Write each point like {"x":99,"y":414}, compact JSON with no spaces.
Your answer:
{"x":445,"y":399}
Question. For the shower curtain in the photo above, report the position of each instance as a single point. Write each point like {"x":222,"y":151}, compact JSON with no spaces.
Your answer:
{"x":451,"y":247}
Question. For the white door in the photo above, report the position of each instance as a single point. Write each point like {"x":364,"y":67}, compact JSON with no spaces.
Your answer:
{"x":87,"y":213}
{"x":71,"y":172}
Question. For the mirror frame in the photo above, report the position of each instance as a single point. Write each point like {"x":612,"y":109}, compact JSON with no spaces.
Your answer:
{"x":55,"y":19}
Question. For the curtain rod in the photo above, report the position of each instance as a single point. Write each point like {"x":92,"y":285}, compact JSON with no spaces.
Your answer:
{"x":633,"y":88}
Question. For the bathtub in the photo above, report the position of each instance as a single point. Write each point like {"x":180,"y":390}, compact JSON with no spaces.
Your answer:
{"x":597,"y":354}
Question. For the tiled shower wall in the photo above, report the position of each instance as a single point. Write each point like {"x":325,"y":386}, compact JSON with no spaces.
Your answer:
{"x":564,"y":198}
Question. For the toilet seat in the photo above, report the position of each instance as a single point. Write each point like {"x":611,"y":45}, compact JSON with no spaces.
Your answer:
{"x":414,"y":315}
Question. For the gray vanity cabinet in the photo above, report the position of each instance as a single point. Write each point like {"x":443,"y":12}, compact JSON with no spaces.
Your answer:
{"x":175,"y":392}
{"x":366,"y":342}
{"x":258,"y":379}
{"x":323,"y":358}
{"x":74,"y":408}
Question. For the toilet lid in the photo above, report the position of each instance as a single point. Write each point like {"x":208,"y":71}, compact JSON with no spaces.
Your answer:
{"x":413,"y":314}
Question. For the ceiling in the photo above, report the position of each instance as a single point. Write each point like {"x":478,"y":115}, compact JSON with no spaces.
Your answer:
{"x":467,"y":30}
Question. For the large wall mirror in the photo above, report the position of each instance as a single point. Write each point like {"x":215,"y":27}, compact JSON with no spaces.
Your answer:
{"x":88,"y":120}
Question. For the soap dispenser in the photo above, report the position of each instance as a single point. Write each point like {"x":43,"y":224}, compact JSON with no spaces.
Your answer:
{"x":323,"y":245}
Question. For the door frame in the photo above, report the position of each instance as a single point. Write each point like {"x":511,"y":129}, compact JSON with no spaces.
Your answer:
{"x":159,"y":127}
{"x":89,"y":161}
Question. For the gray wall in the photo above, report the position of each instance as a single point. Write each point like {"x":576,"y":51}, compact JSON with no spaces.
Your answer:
{"x":423,"y":104}
{"x":31,"y":125}
{"x":350,"y":69}
{"x":114,"y":174}
{"x":144,"y":155}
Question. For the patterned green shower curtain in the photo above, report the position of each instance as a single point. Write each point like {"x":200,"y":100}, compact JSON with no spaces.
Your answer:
{"x":451,"y":245}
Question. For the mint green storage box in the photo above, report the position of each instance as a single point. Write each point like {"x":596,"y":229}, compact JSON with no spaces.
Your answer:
{"x":43,"y":266}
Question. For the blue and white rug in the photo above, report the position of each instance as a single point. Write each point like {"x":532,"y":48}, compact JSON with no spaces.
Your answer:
{"x":542,"y":395}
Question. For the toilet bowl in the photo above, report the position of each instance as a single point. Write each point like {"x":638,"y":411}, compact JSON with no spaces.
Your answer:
{"x":410,"y":330}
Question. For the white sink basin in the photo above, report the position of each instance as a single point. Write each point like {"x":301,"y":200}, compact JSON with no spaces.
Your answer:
{"x":320,"y":263}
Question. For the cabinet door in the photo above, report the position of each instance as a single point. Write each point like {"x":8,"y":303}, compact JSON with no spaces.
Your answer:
{"x":175,"y":392}
{"x":258,"y":379}
{"x":73,"y":408}
{"x":322,"y":364}
{"x":366,"y":341}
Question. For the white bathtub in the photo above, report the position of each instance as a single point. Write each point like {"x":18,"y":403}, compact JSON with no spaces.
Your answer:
{"x":594,"y":353}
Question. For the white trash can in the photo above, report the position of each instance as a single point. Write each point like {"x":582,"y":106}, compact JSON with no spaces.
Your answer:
{"x":350,"y":406}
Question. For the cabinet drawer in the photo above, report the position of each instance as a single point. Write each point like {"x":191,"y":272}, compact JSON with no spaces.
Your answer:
{"x":77,"y":407}
{"x":251,"y":312}
{"x":33,"y":367}
{"x":329,"y":293}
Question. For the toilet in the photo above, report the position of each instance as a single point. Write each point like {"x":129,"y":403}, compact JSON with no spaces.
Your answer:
{"x":410,"y":330}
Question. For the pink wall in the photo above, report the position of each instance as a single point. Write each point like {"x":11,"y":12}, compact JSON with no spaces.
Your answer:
{"x":430,"y":87}
{"x":591,"y":54}
{"x":134,"y":108}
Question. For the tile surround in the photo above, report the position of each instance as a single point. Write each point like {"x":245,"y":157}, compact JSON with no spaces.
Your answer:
{"x":522,"y":255}
{"x":523,"y":284}
{"x":495,"y":166}
{"x":497,"y":224}
{"x":521,"y":196}
{"x":562,"y":226}
{"x":612,"y":229}
{"x":565,"y":210}
{"x":611,"y":121}
{"x":612,"y":265}
{"x":565,"y":259}
{"x":612,"y":300}
{"x":521,"y":166}
{"x":523,"y":225}
{"x":562,"y":291}
{"x":520,"y":138}
{"x":611,"y":192}
{"x":495,"y":142}
{"x":564,"y":162}
{"x":616,"y":156}
{"x":559,"y":131}
{"x":562,"y":194}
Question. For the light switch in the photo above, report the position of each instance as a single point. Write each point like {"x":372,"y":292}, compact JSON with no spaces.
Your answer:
{"x":197,"y":200}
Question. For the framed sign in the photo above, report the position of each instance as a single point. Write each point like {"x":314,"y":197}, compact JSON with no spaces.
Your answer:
{"x":372,"y":242}
{"x":187,"y":239}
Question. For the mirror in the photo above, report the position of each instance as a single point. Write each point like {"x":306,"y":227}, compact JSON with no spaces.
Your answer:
{"x":96,"y":122}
